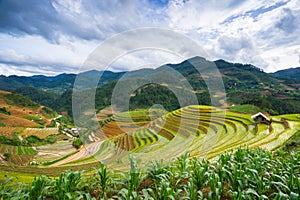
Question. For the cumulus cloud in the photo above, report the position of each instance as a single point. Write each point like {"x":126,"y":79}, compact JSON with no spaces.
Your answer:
{"x":239,"y":49}
{"x":88,"y":20}
{"x":58,"y":35}
{"x":288,"y":23}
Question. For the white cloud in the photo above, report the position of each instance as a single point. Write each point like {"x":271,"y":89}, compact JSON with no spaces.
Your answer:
{"x":244,"y":32}
{"x":144,"y":59}
{"x":44,"y":57}
{"x":265,"y":33}
{"x":281,"y":58}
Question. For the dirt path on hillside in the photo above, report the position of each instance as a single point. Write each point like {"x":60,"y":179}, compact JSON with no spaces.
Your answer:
{"x":85,"y":152}
{"x":48,"y":121}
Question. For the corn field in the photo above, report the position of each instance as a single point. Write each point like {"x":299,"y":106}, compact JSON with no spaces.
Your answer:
{"x":244,"y":174}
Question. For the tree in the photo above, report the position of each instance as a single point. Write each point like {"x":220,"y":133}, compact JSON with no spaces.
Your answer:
{"x":77,"y":143}
{"x":7,"y":156}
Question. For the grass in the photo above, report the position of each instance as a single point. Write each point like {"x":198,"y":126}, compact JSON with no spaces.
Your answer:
{"x":8,"y":149}
{"x":39,"y":132}
{"x":36,"y":119}
{"x":128,"y":121}
{"x":217,"y":132}
{"x":293,"y":144}
{"x":7,"y":131}
{"x":246,"y":108}
{"x":17,"y":177}
{"x":19,"y":155}
{"x":18,"y":100}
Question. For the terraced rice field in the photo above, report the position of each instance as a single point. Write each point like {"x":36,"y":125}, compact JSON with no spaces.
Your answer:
{"x":55,"y":151}
{"x":7,"y":131}
{"x":19,"y":155}
{"x":18,"y":150}
{"x":123,"y":123}
{"x":202,"y":130}
{"x":13,"y":121}
{"x":39,"y":132}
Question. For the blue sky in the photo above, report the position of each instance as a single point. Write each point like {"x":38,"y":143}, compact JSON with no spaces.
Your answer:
{"x":55,"y":36}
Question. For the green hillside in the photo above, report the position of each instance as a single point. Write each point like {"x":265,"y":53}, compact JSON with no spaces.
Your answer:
{"x":293,"y":73}
{"x":38,"y":95}
{"x":18,"y":100}
{"x":243,"y":84}
{"x":53,"y":84}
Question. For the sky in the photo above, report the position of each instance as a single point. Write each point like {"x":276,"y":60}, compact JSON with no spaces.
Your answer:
{"x":50,"y":37}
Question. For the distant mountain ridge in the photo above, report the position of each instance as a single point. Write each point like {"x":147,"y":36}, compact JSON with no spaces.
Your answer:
{"x":60,"y":83}
{"x":293,"y":73}
{"x":55,"y":84}
{"x":243,"y":84}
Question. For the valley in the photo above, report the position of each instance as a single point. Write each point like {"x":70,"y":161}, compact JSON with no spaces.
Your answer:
{"x":203,"y":131}
{"x":39,"y":135}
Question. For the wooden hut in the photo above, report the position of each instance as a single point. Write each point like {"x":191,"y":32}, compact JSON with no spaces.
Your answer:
{"x":261,"y":118}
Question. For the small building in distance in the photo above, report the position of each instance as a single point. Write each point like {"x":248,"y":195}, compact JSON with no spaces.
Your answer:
{"x":72,"y":131}
{"x":261,"y":118}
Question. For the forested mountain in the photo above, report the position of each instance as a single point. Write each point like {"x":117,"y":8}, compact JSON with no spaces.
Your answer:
{"x":288,"y":73}
{"x":38,"y":95}
{"x":55,"y":84}
{"x":243,"y":84}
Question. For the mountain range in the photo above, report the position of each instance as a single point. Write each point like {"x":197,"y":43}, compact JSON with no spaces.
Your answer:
{"x":243,"y":84}
{"x":293,"y":73}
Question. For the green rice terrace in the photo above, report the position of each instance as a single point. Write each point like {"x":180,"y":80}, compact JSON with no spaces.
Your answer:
{"x":190,"y":147}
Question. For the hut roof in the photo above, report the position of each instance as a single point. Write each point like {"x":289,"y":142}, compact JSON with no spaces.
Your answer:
{"x":260,"y":114}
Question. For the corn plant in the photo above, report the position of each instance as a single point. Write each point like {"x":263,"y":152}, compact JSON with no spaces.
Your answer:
{"x":66,"y":186}
{"x":215,"y":186}
{"x":182,"y":163}
{"x":165,"y":192}
{"x":39,"y":187}
{"x":191,"y":191}
{"x":198,"y":169}
{"x":245,"y":174}
{"x":5,"y":188}
{"x":133,"y":180}
{"x":156,"y":168}
{"x":103,"y":178}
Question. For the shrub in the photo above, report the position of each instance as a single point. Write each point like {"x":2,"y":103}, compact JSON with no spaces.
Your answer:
{"x":77,"y":143}
{"x":7,"y":156}
{"x":4,"y":111}
{"x":32,"y":139}
{"x":10,"y":141}
{"x":48,"y":112}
